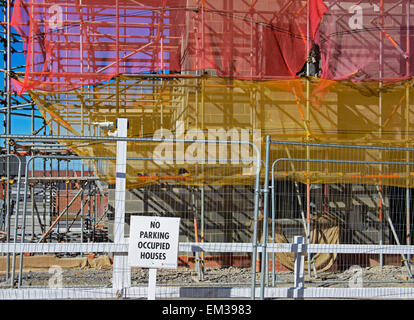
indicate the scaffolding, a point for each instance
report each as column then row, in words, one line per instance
column 66, row 201
column 197, row 69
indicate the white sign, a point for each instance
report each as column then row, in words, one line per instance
column 153, row 242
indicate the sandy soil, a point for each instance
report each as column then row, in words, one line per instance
column 388, row 276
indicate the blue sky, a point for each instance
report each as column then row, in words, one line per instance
column 22, row 124
column 19, row 124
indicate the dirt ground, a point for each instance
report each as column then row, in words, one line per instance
column 387, row 276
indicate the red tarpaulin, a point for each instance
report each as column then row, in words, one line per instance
column 366, row 40
column 69, row 44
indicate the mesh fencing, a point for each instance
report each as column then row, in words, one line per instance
column 206, row 107
column 356, row 221
column 65, row 241
column 69, row 44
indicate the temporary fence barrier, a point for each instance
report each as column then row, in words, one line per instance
column 71, row 45
column 227, row 241
column 354, row 214
column 6, row 216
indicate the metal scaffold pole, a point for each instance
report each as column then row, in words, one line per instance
column 407, row 128
column 307, row 121
column 7, row 130
column 380, row 199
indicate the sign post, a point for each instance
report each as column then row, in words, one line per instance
column 153, row 244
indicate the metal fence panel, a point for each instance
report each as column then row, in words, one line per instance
column 353, row 212
column 70, row 221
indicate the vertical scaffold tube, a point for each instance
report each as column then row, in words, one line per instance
column 407, row 125
column 265, row 219
column 307, row 120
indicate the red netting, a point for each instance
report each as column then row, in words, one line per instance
column 73, row 43
column 83, row 42
column 366, row 40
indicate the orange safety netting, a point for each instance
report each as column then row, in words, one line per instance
column 209, row 107
column 69, row 44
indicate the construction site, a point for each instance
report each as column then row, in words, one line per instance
column 278, row 131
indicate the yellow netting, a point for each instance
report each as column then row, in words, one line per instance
column 299, row 110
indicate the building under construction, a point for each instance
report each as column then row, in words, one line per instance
column 320, row 91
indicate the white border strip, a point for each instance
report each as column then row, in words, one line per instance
column 206, row 247
column 204, row 292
